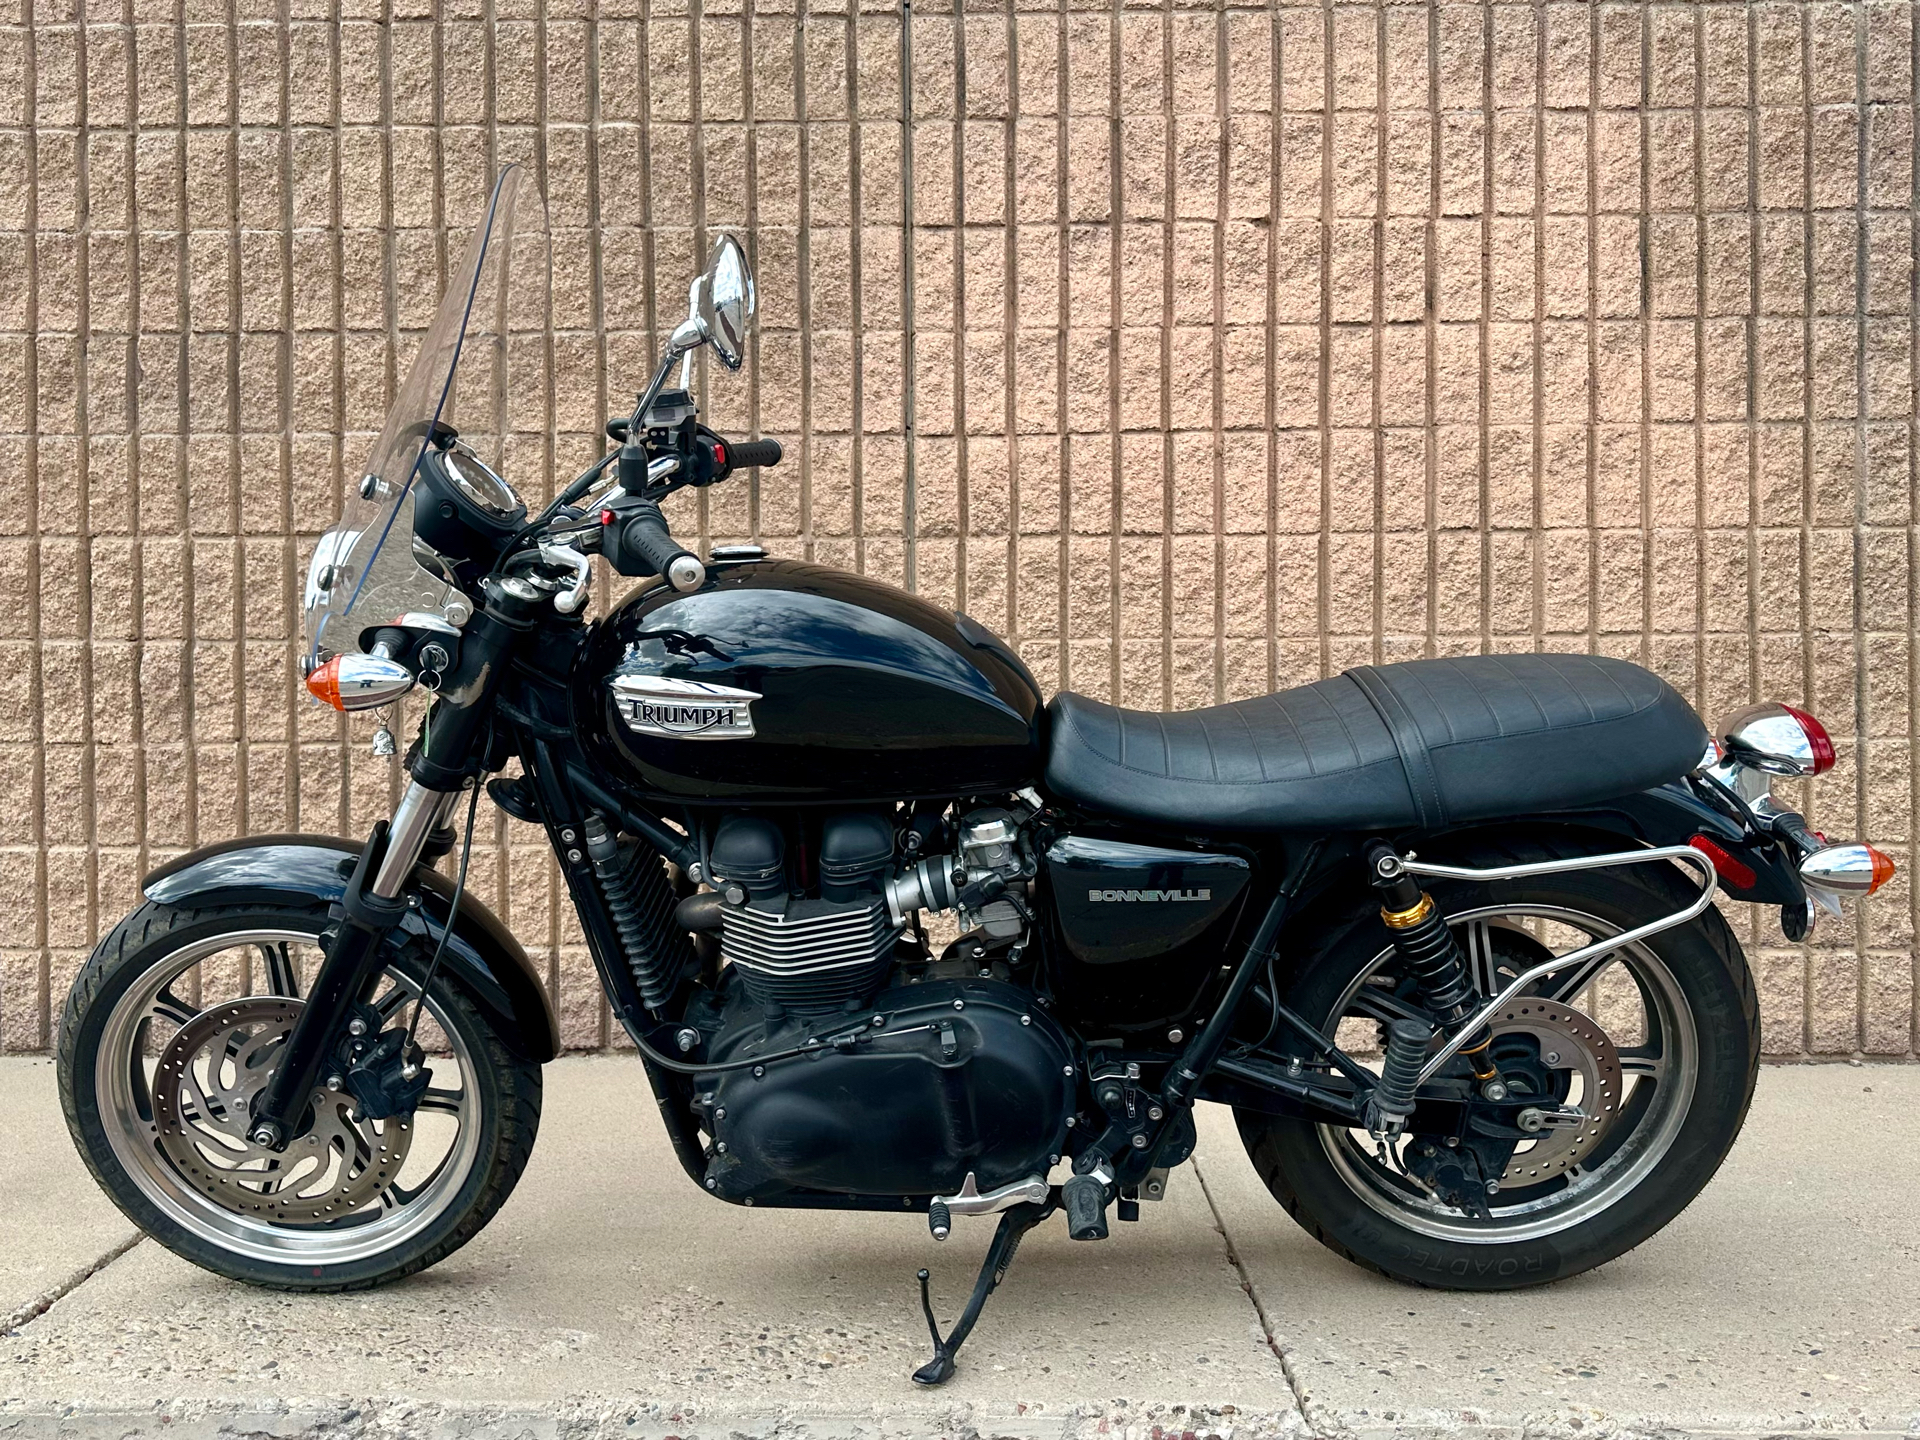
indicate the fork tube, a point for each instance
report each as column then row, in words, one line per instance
column 418, row 812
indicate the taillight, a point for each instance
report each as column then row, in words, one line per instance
column 1776, row 739
column 1818, row 740
column 1731, row 868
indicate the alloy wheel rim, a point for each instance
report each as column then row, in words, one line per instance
column 128, row 1060
column 1663, row 1069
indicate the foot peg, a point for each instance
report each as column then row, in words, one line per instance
column 1085, row 1197
column 1014, row 1224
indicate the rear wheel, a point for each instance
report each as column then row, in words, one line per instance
column 1657, row 1043
column 172, row 1030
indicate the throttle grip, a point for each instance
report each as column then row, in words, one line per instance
column 744, row 454
column 645, row 536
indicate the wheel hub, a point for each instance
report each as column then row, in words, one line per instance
column 1570, row 1045
column 204, row 1088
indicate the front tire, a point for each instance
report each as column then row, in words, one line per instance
column 172, row 1025
column 1689, row 1073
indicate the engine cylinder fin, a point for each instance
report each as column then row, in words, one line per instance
column 815, row 957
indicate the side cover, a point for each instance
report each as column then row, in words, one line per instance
column 302, row 868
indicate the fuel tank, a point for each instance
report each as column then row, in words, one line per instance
column 782, row 681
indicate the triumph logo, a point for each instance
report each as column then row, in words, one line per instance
column 683, row 709
column 1154, row 896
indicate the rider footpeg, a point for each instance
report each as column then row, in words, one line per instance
column 939, row 1220
column 1085, row 1197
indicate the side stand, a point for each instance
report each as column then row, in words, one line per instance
column 1014, row 1224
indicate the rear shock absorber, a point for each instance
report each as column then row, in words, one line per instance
column 1430, row 952
column 640, row 903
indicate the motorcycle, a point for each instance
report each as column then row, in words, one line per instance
column 1441, row 933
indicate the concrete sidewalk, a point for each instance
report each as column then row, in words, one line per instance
column 610, row 1298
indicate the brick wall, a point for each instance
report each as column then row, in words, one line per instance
column 1199, row 350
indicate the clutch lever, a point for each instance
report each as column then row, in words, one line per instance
column 575, row 594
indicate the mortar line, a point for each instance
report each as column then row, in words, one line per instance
column 1287, row 1370
column 1862, row 683
column 909, row 338
column 26, row 1314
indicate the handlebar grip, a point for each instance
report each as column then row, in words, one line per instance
column 646, row 535
column 743, row 454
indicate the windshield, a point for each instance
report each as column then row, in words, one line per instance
column 481, row 369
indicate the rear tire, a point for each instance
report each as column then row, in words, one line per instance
column 126, row 1002
column 1312, row 1170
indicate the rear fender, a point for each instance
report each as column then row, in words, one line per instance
column 1675, row 814
column 303, row 869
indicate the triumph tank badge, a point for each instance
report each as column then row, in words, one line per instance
column 683, row 709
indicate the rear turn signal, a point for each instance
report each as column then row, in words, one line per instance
column 1857, row 869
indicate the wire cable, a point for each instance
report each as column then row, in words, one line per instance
column 453, row 913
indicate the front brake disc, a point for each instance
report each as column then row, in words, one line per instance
column 208, row 1078
column 1570, row 1041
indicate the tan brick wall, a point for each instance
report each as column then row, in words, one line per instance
column 1199, row 350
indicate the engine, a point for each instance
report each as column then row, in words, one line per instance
column 811, row 934
column 917, row 1071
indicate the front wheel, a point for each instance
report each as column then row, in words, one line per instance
column 173, row 1028
column 1657, row 1043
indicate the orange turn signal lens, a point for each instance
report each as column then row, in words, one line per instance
column 359, row 682
column 323, row 683
column 1883, row 869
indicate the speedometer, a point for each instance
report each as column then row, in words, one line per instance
column 463, row 509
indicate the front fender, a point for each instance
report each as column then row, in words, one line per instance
column 297, row 869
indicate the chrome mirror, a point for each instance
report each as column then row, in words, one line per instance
column 722, row 301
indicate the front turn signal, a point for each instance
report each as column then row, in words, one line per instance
column 359, row 682
column 1857, row 869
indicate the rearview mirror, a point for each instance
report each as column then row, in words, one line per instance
column 723, row 302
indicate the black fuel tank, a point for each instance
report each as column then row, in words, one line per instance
column 781, row 681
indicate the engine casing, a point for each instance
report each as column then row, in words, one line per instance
column 963, row 1076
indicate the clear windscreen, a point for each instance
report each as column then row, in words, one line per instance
column 481, row 367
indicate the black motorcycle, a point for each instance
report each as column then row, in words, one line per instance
column 1441, row 933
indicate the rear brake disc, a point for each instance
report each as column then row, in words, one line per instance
column 1568, row 1041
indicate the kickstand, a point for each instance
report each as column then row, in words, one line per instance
column 1014, row 1223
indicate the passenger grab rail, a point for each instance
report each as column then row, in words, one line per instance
column 1685, row 853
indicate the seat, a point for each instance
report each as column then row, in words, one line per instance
column 1424, row 744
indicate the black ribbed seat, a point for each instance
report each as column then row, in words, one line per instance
column 1427, row 743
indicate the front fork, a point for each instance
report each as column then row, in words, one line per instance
column 374, row 903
